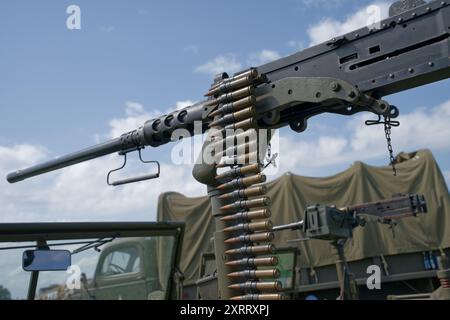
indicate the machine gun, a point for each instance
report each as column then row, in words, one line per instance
column 336, row 226
column 346, row 75
column 332, row 223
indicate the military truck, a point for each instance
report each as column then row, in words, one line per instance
column 407, row 252
column 126, row 269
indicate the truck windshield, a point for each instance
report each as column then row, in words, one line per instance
column 113, row 268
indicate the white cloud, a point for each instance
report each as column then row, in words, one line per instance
column 296, row 45
column 183, row 104
column 262, row 57
column 328, row 28
column 22, row 154
column 137, row 116
column 230, row 63
column 363, row 143
column 222, row 63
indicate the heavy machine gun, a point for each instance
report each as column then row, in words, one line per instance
column 332, row 223
column 336, row 225
column 346, row 75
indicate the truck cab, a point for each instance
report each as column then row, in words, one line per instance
column 127, row 269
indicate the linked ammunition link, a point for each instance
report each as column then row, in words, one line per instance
column 255, row 250
column 274, row 296
column 247, row 204
column 255, row 285
column 238, row 160
column 248, row 238
column 248, row 227
column 254, row 274
column 248, row 215
column 240, row 149
column 244, row 206
column 237, row 172
column 254, row 262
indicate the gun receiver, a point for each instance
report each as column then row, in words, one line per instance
column 391, row 209
column 346, row 75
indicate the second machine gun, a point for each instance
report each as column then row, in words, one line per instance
column 336, row 225
column 346, row 75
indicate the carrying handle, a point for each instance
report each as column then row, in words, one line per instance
column 132, row 179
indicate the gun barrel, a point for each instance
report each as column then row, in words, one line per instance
column 153, row 133
column 291, row 226
column 90, row 153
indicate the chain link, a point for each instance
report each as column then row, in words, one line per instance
column 387, row 131
column 270, row 159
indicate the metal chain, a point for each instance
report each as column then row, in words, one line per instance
column 387, row 131
column 269, row 158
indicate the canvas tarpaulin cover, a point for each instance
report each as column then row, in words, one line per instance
column 418, row 172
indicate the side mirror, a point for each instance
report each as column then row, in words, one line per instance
column 46, row 260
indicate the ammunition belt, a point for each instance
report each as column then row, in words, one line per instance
column 249, row 248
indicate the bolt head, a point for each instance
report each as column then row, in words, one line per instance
column 334, row 86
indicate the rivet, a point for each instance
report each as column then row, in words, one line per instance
column 391, row 75
column 430, row 64
column 410, row 70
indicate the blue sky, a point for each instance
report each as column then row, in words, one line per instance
column 62, row 90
